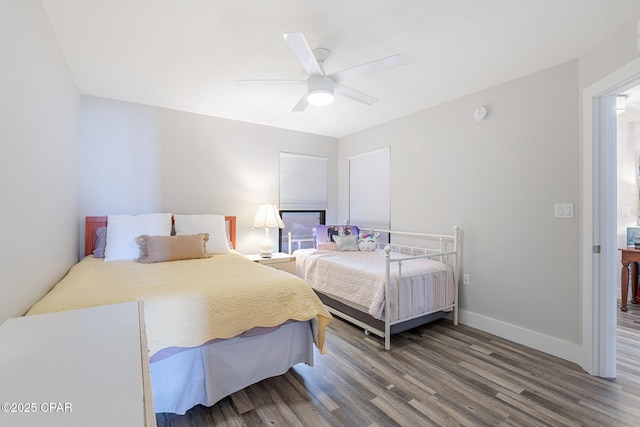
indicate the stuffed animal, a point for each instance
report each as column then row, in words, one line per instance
column 368, row 241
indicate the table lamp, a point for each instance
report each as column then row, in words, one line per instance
column 267, row 217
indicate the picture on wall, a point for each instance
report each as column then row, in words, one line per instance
column 631, row 234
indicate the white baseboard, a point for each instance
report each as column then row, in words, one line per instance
column 547, row 344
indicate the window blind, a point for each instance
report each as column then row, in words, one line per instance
column 370, row 189
column 303, row 181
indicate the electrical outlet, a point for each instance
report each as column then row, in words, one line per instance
column 466, row 280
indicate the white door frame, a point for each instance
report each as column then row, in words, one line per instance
column 599, row 213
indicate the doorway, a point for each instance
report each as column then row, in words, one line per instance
column 599, row 226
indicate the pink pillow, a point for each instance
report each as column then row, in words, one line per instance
column 328, row 246
column 325, row 233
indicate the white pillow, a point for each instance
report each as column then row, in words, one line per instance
column 122, row 231
column 214, row 225
column 347, row 243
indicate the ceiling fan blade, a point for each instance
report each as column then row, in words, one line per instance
column 276, row 82
column 370, row 67
column 301, row 105
column 303, row 52
column 356, row 95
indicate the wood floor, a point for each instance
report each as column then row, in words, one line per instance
column 437, row 374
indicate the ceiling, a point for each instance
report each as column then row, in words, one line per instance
column 188, row 55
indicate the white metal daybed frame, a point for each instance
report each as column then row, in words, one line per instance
column 389, row 327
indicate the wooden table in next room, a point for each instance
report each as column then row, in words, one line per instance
column 629, row 256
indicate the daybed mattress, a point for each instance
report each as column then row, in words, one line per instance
column 357, row 277
column 190, row 302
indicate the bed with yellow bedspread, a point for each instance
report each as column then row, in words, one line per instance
column 203, row 305
column 190, row 302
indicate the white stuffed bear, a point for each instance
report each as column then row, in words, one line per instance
column 368, row 241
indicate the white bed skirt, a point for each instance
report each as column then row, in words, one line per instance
column 206, row 374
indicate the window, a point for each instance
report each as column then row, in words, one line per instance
column 303, row 198
column 300, row 224
column 370, row 189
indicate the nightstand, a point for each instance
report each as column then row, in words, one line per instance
column 278, row 260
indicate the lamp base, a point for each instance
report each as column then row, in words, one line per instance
column 266, row 247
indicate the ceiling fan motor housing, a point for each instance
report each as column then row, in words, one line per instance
column 320, row 90
column 321, row 54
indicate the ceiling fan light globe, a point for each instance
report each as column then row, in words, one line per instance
column 320, row 97
column 621, row 104
column 320, row 90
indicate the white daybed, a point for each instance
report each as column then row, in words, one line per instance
column 390, row 289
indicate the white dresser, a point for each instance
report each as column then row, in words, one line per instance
column 87, row 367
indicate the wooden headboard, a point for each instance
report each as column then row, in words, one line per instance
column 92, row 223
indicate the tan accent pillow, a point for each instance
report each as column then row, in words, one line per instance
column 172, row 248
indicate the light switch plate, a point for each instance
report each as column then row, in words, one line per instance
column 564, row 210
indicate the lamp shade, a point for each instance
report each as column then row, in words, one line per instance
column 267, row 217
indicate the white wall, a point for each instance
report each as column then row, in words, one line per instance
column 138, row 159
column 620, row 48
column 39, row 108
column 499, row 180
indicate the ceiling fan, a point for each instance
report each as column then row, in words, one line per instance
column 321, row 86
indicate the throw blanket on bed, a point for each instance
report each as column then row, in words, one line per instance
column 190, row 302
column 357, row 278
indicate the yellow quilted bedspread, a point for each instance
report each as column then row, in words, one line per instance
column 190, row 302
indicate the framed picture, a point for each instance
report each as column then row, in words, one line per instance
column 631, row 233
